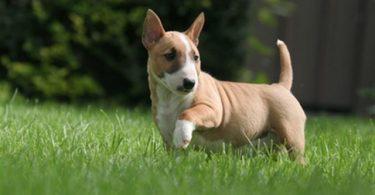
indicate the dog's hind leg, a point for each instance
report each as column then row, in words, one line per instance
column 269, row 142
column 291, row 133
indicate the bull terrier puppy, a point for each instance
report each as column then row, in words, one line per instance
column 190, row 107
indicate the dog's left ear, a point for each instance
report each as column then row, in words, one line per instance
column 195, row 29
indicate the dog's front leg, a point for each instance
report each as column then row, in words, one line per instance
column 200, row 116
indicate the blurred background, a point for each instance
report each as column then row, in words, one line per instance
column 91, row 51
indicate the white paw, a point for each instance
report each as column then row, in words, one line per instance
column 183, row 133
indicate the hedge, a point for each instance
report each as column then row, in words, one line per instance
column 80, row 50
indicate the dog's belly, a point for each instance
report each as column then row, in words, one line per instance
column 267, row 139
column 236, row 132
column 199, row 141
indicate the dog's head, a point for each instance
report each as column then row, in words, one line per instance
column 173, row 56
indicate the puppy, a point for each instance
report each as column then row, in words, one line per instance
column 190, row 107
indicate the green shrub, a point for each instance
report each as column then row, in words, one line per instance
column 69, row 50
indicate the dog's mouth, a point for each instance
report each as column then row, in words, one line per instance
column 183, row 90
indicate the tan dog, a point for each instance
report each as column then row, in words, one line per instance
column 191, row 107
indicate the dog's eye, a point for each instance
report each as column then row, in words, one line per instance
column 196, row 58
column 171, row 55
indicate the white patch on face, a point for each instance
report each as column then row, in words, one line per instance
column 188, row 70
column 183, row 133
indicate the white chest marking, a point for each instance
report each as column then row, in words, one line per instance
column 169, row 107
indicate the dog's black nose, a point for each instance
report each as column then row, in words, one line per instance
column 188, row 83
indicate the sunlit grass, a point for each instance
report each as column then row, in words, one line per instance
column 61, row 149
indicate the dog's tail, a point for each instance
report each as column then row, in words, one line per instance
column 286, row 72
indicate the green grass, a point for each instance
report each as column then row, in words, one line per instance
column 61, row 149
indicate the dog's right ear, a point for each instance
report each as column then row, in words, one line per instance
column 152, row 29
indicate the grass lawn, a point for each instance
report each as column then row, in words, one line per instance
column 60, row 149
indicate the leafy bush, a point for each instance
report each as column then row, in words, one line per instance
column 69, row 50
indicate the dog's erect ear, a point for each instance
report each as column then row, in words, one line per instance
column 195, row 29
column 152, row 29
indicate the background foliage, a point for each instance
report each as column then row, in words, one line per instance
column 72, row 50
